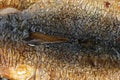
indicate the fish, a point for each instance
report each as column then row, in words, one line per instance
column 61, row 40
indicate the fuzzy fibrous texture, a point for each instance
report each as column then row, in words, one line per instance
column 60, row 39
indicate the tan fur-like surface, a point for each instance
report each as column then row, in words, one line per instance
column 92, row 26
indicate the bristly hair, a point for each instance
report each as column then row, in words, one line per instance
column 53, row 33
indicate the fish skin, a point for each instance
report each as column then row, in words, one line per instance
column 64, row 61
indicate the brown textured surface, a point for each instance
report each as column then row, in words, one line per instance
column 19, row 4
column 92, row 54
column 53, row 64
column 47, row 38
